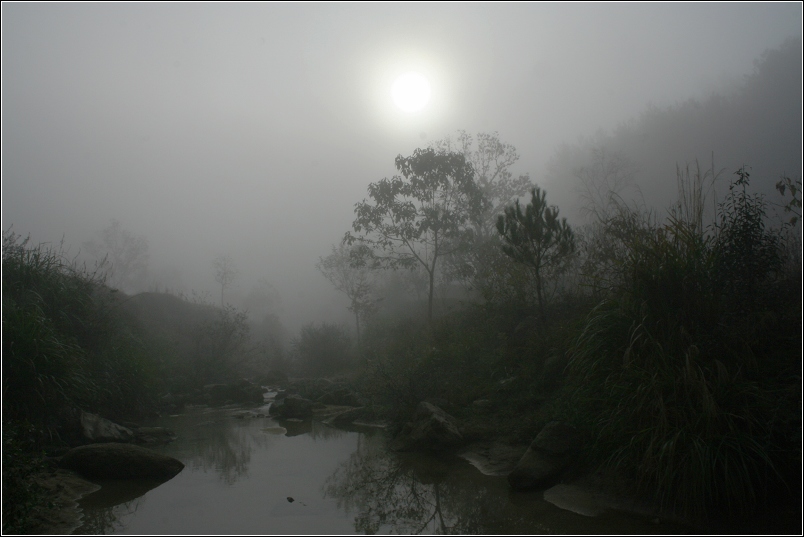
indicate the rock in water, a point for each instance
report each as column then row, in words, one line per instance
column 97, row 429
column 549, row 455
column 120, row 461
column 432, row 429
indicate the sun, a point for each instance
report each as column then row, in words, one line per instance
column 411, row 92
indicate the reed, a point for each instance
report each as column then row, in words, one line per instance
column 669, row 372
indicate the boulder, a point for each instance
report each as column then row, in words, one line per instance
column 120, row 461
column 495, row 458
column 97, row 429
column 346, row 416
column 431, row 429
column 295, row 406
column 548, row 456
column 173, row 403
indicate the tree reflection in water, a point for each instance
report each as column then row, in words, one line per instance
column 105, row 521
column 221, row 444
column 409, row 493
column 226, row 449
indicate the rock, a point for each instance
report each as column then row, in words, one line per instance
column 575, row 499
column 496, row 458
column 242, row 391
column 548, row 456
column 296, row 406
column 432, row 429
column 172, row 402
column 62, row 515
column 346, row 417
column 558, row 438
column 154, row 435
column 97, row 429
column 120, row 461
column 482, row 405
column 340, row 397
column 119, row 491
column 296, row 427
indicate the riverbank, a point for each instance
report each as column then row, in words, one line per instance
column 61, row 514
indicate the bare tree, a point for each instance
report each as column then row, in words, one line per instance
column 124, row 255
column 225, row 272
column 604, row 181
column 491, row 161
column 349, row 278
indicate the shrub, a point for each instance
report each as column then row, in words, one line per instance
column 322, row 349
column 23, row 496
column 668, row 371
column 220, row 347
column 65, row 342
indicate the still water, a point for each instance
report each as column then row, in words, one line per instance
column 240, row 476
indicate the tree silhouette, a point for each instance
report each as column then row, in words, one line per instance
column 225, row 272
column 420, row 217
column 351, row 279
column 124, row 255
column 536, row 238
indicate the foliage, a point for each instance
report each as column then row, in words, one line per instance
column 677, row 371
column 221, row 347
column 352, row 280
column 420, row 217
column 603, row 182
column 322, row 349
column 536, row 238
column 123, row 255
column 748, row 255
column 65, row 341
column 491, row 160
column 794, row 205
column 23, row 496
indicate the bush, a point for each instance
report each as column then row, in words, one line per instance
column 671, row 371
column 23, row 496
column 220, row 347
column 65, row 342
column 322, row 349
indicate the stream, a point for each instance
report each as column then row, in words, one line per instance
column 263, row 476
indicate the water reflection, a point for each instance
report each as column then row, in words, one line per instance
column 225, row 449
column 240, row 472
column 409, row 493
column 100, row 521
column 214, row 441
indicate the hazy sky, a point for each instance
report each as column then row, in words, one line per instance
column 253, row 129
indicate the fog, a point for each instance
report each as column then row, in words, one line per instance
column 252, row 130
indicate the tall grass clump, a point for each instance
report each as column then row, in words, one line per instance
column 671, row 372
column 65, row 344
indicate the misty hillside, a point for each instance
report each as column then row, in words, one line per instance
column 755, row 123
column 167, row 316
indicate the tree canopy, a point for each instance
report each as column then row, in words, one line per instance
column 420, row 216
column 352, row 280
column 536, row 237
